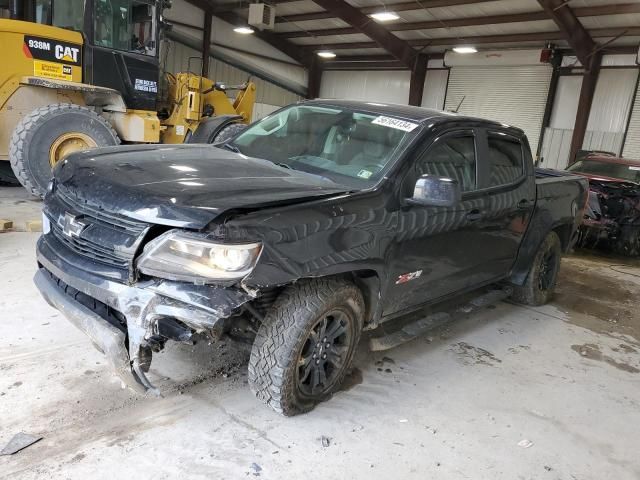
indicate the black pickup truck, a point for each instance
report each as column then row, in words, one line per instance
column 320, row 221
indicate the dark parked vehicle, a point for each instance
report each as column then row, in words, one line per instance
column 320, row 221
column 612, row 216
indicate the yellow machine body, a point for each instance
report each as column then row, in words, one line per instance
column 192, row 94
column 43, row 66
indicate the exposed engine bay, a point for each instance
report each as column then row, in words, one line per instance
column 612, row 217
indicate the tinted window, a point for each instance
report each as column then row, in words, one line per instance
column 67, row 14
column 452, row 157
column 127, row 25
column 505, row 158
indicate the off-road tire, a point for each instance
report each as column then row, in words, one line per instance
column 228, row 132
column 281, row 337
column 35, row 133
column 531, row 293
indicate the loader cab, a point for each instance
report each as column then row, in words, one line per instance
column 121, row 41
column 122, row 49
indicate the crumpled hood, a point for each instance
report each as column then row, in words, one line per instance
column 182, row 185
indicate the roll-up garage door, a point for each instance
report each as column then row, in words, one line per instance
column 632, row 141
column 515, row 95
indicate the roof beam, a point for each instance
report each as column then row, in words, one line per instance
column 456, row 22
column 577, row 36
column 286, row 47
column 396, row 7
column 510, row 38
column 206, row 43
column 400, row 49
column 292, row 50
column 473, row 21
column 231, row 6
column 394, row 65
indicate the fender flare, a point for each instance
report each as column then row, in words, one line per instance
column 209, row 128
column 94, row 96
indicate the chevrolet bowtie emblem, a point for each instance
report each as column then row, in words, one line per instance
column 71, row 226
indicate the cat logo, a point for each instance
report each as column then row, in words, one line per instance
column 67, row 54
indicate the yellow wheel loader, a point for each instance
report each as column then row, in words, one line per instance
column 80, row 74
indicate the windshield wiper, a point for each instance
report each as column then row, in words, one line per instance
column 284, row 165
column 233, row 148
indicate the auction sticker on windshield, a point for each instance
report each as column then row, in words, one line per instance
column 395, row 123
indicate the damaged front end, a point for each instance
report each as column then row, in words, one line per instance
column 128, row 322
column 612, row 218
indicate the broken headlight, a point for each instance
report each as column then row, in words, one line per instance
column 180, row 256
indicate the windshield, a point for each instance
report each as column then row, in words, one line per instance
column 64, row 14
column 127, row 25
column 622, row 171
column 348, row 147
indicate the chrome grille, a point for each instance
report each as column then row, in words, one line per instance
column 92, row 250
column 108, row 238
column 111, row 220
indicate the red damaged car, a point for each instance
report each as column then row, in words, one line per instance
column 612, row 215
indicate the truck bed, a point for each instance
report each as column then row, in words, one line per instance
column 560, row 196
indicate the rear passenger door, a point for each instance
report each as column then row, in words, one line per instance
column 507, row 179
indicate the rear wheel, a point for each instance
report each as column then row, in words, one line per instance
column 49, row 134
column 541, row 281
column 306, row 344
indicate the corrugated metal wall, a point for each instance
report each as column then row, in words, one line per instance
column 607, row 120
column 269, row 97
column 632, row 144
column 372, row 86
column 435, row 89
column 515, row 95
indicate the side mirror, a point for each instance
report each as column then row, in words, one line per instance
column 433, row 191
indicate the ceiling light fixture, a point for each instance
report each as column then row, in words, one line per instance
column 385, row 16
column 326, row 54
column 243, row 30
column 465, row 49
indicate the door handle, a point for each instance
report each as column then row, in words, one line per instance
column 474, row 215
column 524, row 204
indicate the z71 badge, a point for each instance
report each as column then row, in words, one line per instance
column 407, row 277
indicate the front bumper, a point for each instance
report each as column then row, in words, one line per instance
column 142, row 304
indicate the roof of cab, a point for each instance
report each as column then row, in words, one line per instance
column 408, row 112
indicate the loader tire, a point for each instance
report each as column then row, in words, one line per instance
column 50, row 133
column 306, row 344
column 540, row 285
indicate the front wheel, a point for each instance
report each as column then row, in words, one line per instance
column 306, row 344
column 541, row 281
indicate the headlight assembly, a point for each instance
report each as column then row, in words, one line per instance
column 184, row 257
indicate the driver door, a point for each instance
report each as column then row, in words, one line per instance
column 439, row 250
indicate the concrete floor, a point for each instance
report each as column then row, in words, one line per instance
column 457, row 403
